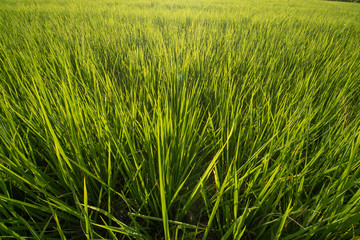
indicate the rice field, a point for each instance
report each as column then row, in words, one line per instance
column 165, row 119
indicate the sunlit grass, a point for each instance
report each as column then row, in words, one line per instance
column 179, row 119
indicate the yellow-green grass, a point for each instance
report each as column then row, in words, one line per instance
column 179, row 119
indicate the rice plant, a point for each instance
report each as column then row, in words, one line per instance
column 164, row 119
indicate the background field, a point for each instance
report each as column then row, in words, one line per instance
column 179, row 119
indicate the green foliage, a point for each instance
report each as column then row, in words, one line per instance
column 354, row 1
column 186, row 119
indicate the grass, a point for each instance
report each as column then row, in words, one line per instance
column 179, row 119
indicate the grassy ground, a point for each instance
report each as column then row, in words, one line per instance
column 179, row 119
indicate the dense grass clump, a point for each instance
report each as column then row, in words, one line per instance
column 187, row 119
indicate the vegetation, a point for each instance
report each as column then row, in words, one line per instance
column 355, row 1
column 164, row 119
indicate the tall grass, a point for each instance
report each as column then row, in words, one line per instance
column 179, row 119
